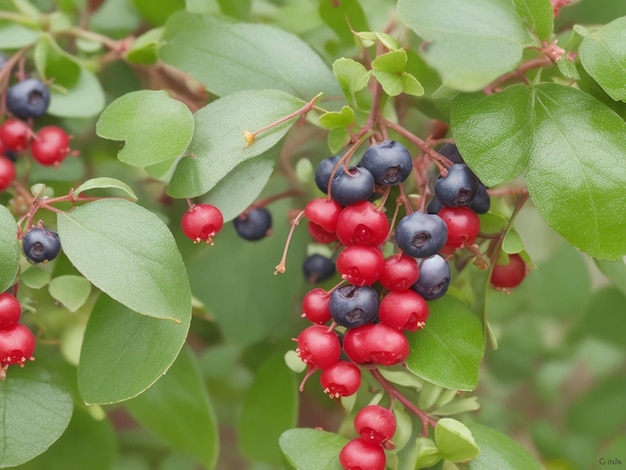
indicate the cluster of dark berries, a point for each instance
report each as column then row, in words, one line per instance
column 17, row 342
column 41, row 245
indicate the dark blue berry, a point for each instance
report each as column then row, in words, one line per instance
column 318, row 268
column 434, row 277
column 452, row 152
column 458, row 187
column 323, row 172
column 420, row 235
column 254, row 224
column 355, row 185
column 434, row 206
column 353, row 306
column 28, row 98
column 481, row 202
column 41, row 245
column 389, row 162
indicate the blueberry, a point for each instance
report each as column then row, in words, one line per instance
column 434, row 206
column 28, row 98
column 452, row 152
column 41, row 245
column 353, row 306
column 355, row 185
column 389, row 162
column 481, row 202
column 318, row 268
column 323, row 172
column 254, row 225
column 458, row 187
column 434, row 277
column 420, row 235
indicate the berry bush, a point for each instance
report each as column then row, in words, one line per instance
column 312, row 234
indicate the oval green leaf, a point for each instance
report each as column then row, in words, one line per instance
column 155, row 127
column 15, row 36
column 35, row 408
column 539, row 16
column 52, row 62
column 177, row 408
column 124, row 353
column 455, row 440
column 499, row 451
column 227, row 57
column 218, row 145
column 467, row 54
column 448, row 351
column 142, row 267
column 104, row 182
column 71, row 291
column 83, row 100
column 312, row 449
column 9, row 249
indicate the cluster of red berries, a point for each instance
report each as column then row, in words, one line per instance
column 17, row 342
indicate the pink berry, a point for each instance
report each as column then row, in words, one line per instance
column 508, row 276
column 362, row 223
column 17, row 344
column 318, row 347
column 50, row 145
column 315, row 306
column 10, row 310
column 202, row 222
column 360, row 265
column 404, row 310
column 15, row 134
column 376, row 424
column 342, row 379
column 324, row 212
column 359, row 454
column 463, row 226
column 7, row 172
column 400, row 272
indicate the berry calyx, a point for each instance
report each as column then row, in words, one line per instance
column 15, row 134
column 358, row 454
column 17, row 344
column 10, row 310
column 7, row 172
column 254, row 225
column 360, row 265
column 318, row 347
column 41, row 245
column 362, row 223
column 342, row 379
column 510, row 275
column 50, row 145
column 201, row 222
column 376, row 424
column 28, row 98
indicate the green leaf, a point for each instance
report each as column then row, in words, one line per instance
column 54, row 63
column 227, row 57
column 499, row 451
column 123, row 353
column 538, row 15
column 343, row 17
column 569, row 146
column 512, row 242
column 270, row 408
column 468, row 54
column 352, row 77
column 35, row 408
column 71, row 291
column 84, row 99
column 145, row 49
column 9, row 249
column 337, row 139
column 218, row 146
column 129, row 253
column 35, row 277
column 428, row 454
column 448, row 351
column 312, row 449
column 15, row 36
column 393, row 62
column 615, row 271
column 155, row 127
column 455, row 440
column 177, row 409
column 334, row 119
column 391, row 82
column 603, row 55
column 411, row 85
column 103, row 182
column 157, row 12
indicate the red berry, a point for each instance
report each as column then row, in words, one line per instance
column 315, row 306
column 404, row 310
column 400, row 272
column 376, row 424
column 463, row 226
column 508, row 276
column 324, row 212
column 360, row 265
column 17, row 344
column 319, row 234
column 15, row 134
column 376, row 343
column 7, row 172
column 358, row 454
column 362, row 223
column 10, row 310
column 50, row 146
column 342, row 379
column 202, row 222
column 318, row 347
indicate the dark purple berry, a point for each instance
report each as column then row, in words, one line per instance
column 318, row 268
column 355, row 185
column 458, row 187
column 353, row 306
column 323, row 172
column 481, row 202
column 434, row 277
column 389, row 162
column 28, row 98
column 41, row 245
column 420, row 235
column 254, row 225
column 434, row 206
column 451, row 152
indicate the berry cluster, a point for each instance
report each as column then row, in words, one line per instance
column 17, row 342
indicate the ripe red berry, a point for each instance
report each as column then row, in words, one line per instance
column 10, row 310
column 17, row 344
column 400, row 272
column 404, row 310
column 360, row 265
column 376, row 424
column 7, row 172
column 201, row 222
column 324, row 212
column 376, row 343
column 15, row 134
column 50, row 146
column 318, row 347
column 463, row 226
column 362, row 223
column 315, row 306
column 342, row 379
column 359, row 454
column 319, row 234
column 508, row 276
